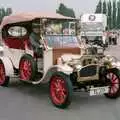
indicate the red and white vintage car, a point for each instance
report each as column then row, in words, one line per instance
column 63, row 63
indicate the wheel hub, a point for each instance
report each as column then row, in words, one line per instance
column 114, row 83
column 25, row 70
column 58, row 90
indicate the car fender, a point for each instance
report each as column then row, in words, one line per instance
column 8, row 66
column 65, row 69
column 56, row 68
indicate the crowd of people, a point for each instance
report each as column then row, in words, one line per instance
column 113, row 38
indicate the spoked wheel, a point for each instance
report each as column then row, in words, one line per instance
column 60, row 90
column 27, row 68
column 114, row 78
column 4, row 80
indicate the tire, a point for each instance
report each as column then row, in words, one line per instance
column 4, row 80
column 58, row 82
column 27, row 68
column 113, row 77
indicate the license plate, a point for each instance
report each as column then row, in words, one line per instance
column 99, row 90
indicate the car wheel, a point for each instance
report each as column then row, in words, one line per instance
column 4, row 80
column 27, row 68
column 60, row 89
column 114, row 79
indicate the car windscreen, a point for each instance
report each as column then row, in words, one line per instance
column 60, row 41
column 60, row 28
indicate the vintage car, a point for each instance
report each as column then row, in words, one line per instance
column 65, row 64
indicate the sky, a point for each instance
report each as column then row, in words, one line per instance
column 79, row 6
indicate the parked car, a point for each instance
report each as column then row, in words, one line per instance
column 64, row 64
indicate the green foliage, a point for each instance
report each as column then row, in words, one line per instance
column 4, row 12
column 8, row 11
column 109, row 15
column 118, row 15
column 99, row 7
column 114, row 14
column 63, row 10
column 104, row 7
column 112, row 9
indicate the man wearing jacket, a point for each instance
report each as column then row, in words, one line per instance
column 35, row 39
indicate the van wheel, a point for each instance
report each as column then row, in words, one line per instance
column 27, row 68
column 114, row 79
column 4, row 80
column 60, row 89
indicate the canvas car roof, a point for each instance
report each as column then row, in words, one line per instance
column 28, row 16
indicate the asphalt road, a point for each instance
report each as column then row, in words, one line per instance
column 27, row 102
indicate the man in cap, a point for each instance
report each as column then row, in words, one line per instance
column 35, row 38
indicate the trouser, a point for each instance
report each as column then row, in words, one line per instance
column 114, row 41
column 38, row 51
column 110, row 40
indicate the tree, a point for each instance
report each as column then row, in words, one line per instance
column 104, row 7
column 118, row 14
column 114, row 14
column 109, row 14
column 63, row 10
column 2, row 13
column 5, row 12
column 99, row 7
column 8, row 11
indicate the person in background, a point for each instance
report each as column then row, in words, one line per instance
column 116, row 38
column 110, row 38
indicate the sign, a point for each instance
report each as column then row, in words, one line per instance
column 99, row 90
column 92, row 17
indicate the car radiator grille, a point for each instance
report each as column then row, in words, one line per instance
column 88, row 71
